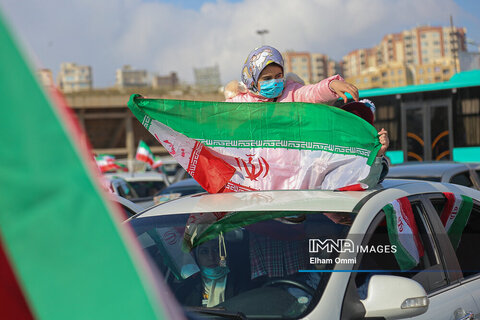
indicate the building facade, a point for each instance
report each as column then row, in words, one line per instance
column 167, row 82
column 127, row 77
column 425, row 54
column 46, row 77
column 311, row 67
column 74, row 78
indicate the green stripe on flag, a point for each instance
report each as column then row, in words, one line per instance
column 292, row 125
column 456, row 229
column 69, row 255
column 404, row 258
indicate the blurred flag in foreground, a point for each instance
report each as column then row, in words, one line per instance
column 262, row 146
column 144, row 153
column 63, row 252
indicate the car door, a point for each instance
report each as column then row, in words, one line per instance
column 448, row 297
column 466, row 249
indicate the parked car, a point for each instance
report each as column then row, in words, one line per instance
column 178, row 189
column 465, row 174
column 145, row 184
column 380, row 253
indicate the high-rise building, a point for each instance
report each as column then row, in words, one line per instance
column 423, row 54
column 311, row 67
column 127, row 77
column 73, row 78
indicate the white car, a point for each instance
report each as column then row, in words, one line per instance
column 382, row 253
column 145, row 185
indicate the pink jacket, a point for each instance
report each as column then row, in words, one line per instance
column 296, row 92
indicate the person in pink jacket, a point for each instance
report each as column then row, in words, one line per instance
column 263, row 80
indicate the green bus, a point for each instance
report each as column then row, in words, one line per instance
column 431, row 122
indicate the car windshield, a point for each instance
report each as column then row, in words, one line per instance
column 256, row 263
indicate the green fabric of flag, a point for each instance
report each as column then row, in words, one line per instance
column 229, row 147
column 63, row 240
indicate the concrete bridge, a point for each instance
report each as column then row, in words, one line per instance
column 109, row 125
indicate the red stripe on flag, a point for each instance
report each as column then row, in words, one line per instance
column 211, row 172
column 407, row 213
column 12, row 302
column 144, row 158
column 448, row 207
column 353, row 187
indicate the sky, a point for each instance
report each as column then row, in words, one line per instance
column 162, row 36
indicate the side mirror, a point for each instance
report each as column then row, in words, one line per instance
column 394, row 297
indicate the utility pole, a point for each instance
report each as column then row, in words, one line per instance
column 262, row 35
column 454, row 40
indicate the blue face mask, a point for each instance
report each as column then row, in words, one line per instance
column 214, row 273
column 271, row 88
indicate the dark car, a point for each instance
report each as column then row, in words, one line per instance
column 465, row 174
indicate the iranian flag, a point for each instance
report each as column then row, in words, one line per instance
column 455, row 216
column 262, row 146
column 143, row 153
column 108, row 163
column 403, row 233
column 157, row 162
column 63, row 251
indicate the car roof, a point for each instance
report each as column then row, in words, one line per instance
column 426, row 169
column 286, row 200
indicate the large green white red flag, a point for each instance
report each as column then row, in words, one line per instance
column 455, row 215
column 144, row 153
column 262, row 146
column 63, row 251
column 403, row 233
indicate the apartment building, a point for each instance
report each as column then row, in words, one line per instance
column 46, row 77
column 424, row 54
column 166, row 82
column 311, row 67
column 74, row 78
column 127, row 77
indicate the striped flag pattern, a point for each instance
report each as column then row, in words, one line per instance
column 403, row 233
column 144, row 153
column 455, row 216
column 262, row 146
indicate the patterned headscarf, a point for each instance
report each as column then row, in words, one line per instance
column 256, row 61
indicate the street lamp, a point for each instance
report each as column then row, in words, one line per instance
column 262, row 33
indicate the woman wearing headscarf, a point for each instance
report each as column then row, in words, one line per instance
column 263, row 80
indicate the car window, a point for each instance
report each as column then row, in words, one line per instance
column 462, row 179
column 147, row 188
column 461, row 219
column 261, row 260
column 414, row 256
column 125, row 190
